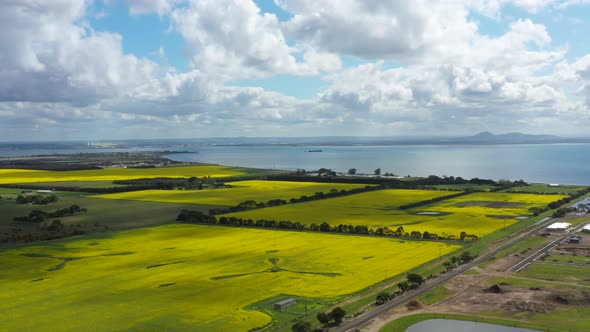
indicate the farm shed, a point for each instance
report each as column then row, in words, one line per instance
column 559, row 226
column 284, row 304
column 574, row 239
column 44, row 191
column 586, row 229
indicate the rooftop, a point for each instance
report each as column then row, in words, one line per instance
column 286, row 301
column 560, row 225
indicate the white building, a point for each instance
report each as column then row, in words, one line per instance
column 559, row 226
column 44, row 191
column 586, row 229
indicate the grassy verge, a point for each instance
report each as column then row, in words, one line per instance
column 542, row 188
column 465, row 186
column 566, row 258
column 436, row 295
column 562, row 273
column 101, row 215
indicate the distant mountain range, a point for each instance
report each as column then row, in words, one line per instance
column 514, row 138
column 483, row 138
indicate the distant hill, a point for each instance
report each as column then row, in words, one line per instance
column 486, row 136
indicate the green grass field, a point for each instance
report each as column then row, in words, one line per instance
column 562, row 273
column 477, row 213
column 259, row 191
column 114, row 214
column 567, row 258
column 464, row 186
column 11, row 176
column 186, row 276
column 544, row 188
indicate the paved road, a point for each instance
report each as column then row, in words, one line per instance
column 545, row 250
column 430, row 284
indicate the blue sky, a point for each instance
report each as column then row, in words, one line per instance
column 193, row 68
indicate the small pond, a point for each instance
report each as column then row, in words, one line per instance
column 451, row 325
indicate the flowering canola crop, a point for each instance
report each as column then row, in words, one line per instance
column 240, row 191
column 188, row 276
column 10, row 176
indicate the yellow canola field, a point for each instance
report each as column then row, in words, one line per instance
column 477, row 213
column 9, row 176
column 188, row 277
column 496, row 204
column 256, row 190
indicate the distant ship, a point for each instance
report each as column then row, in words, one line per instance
column 315, row 150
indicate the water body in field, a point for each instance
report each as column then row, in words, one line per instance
column 449, row 325
column 548, row 163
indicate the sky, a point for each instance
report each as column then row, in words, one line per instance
column 121, row 69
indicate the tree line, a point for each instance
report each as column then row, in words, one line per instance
column 251, row 204
column 105, row 190
column 414, row 280
column 38, row 216
column 433, row 200
column 566, row 200
column 36, row 199
column 202, row 218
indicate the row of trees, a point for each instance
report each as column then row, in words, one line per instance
column 106, row 190
column 413, row 281
column 433, row 200
column 327, row 319
column 457, row 261
column 431, row 180
column 566, row 200
column 196, row 217
column 332, row 318
column 561, row 212
column 38, row 216
column 49, row 233
column 251, row 204
column 201, row 218
column 36, row 199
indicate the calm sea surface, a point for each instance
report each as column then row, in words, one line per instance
column 549, row 163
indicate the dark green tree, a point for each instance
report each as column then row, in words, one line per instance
column 56, row 226
column 382, row 298
column 403, row 286
column 337, row 315
column 324, row 318
column 20, row 199
column 301, row 326
column 415, row 279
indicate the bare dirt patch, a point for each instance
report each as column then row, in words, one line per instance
column 503, row 264
column 414, row 305
column 501, row 297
